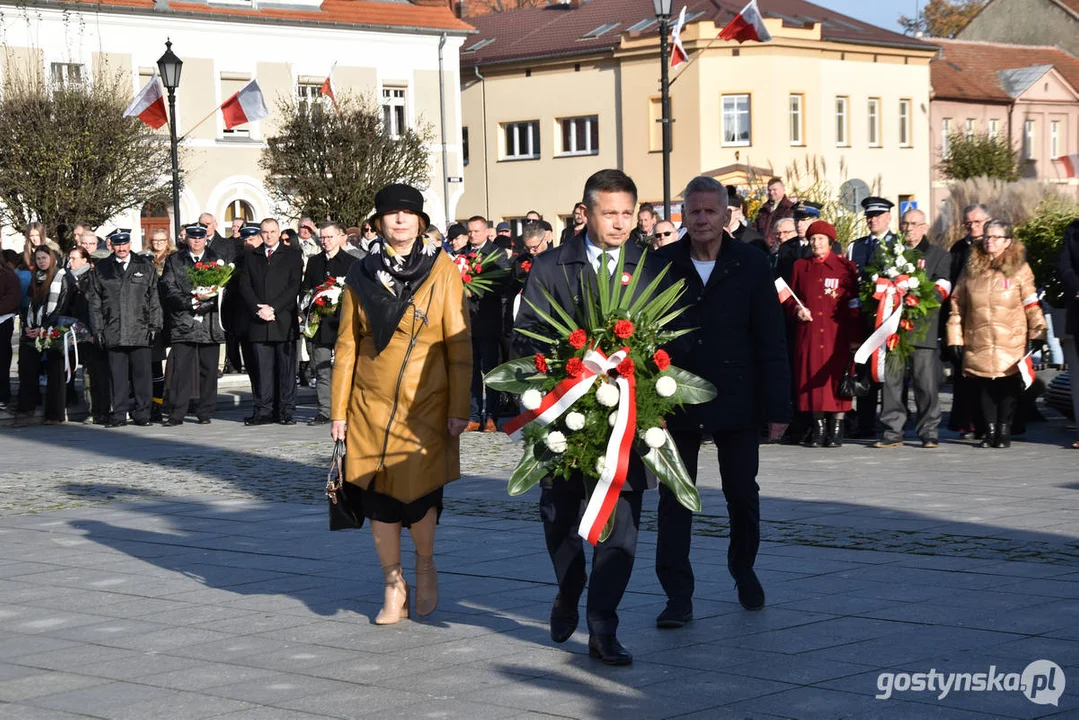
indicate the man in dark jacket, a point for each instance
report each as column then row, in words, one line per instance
column 10, row 297
column 486, row 315
column 269, row 287
column 125, row 315
column 223, row 247
column 777, row 206
column 965, row 417
column 610, row 196
column 575, row 226
column 333, row 262
column 195, row 331
column 739, row 346
column 925, row 360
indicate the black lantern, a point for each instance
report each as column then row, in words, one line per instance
column 169, row 66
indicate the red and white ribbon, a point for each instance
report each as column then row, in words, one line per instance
column 945, row 288
column 69, row 371
column 1030, row 301
column 889, row 297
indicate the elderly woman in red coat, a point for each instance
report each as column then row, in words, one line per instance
column 828, row 327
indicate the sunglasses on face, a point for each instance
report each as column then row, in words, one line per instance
column 666, row 234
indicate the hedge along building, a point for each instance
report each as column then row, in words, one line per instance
column 553, row 93
column 388, row 51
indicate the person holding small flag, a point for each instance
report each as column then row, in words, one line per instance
column 995, row 314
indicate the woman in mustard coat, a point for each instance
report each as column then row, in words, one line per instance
column 400, row 397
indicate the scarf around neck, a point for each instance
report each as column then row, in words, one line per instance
column 40, row 312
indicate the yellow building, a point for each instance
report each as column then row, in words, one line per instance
column 551, row 94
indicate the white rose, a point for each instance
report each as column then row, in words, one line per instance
column 875, row 276
column 601, row 463
column 531, row 399
column 655, row 437
column 666, row 386
column 909, row 268
column 221, row 263
column 556, row 441
column 891, row 272
column 607, row 394
column 575, row 421
column 612, row 418
column 913, row 282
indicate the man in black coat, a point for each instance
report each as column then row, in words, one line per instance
column 610, row 197
column 924, row 368
column 965, row 417
column 125, row 315
column 195, row 330
column 738, row 345
column 269, row 287
column 334, row 262
column 486, row 313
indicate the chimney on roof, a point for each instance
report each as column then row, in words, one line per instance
column 568, row 3
column 429, row 3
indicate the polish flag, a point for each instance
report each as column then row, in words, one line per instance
column 785, row 293
column 678, row 53
column 149, row 105
column 746, row 25
column 1071, row 164
column 327, row 90
column 245, row 106
column 1026, row 370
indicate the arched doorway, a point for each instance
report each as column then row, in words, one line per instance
column 153, row 217
column 239, row 210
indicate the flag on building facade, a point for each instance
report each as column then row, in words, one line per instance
column 1071, row 164
column 149, row 105
column 746, row 25
column 245, row 106
column 327, row 90
column 678, row 53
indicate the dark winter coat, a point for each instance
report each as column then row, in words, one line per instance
column 1068, row 268
column 125, row 309
column 864, row 249
column 486, row 311
column 319, row 269
column 68, row 293
column 187, row 320
column 273, row 281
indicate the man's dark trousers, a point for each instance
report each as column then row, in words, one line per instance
column 192, row 372
column 130, row 373
column 561, row 507
column 739, row 454
column 925, row 381
column 275, row 363
column 484, row 360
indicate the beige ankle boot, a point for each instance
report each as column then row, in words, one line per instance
column 426, row 584
column 395, row 604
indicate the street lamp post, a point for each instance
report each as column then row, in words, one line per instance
column 663, row 14
column 169, row 66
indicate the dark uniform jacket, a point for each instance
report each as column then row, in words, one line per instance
column 224, row 248
column 738, row 342
column 1068, row 268
column 863, row 249
column 187, row 320
column 319, row 269
column 561, row 272
column 125, row 308
column 273, row 281
column 486, row 311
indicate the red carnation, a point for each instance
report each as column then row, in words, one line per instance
column 662, row 360
column 466, row 278
column 623, row 329
column 578, row 338
column 331, row 280
column 478, row 269
column 541, row 363
column 55, row 333
column 892, row 342
column 320, row 301
column 574, row 367
column 526, row 265
column 626, row 367
column 911, row 300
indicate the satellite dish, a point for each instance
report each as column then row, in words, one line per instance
column 851, row 195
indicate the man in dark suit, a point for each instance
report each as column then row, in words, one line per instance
column 334, row 262
column 796, row 247
column 965, row 417
column 925, row 360
column 878, row 216
column 777, row 206
column 486, row 315
column 739, row 346
column 610, row 197
column 269, row 287
column 224, row 248
column 125, row 315
column 195, row 331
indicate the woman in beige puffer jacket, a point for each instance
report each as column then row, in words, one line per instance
column 995, row 313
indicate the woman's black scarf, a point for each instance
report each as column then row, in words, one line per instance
column 385, row 284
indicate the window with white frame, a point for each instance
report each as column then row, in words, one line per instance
column 873, row 116
column 393, row 111
column 904, row 123
column 796, row 104
column 522, row 140
column 737, row 120
column 842, row 121
column 309, row 94
column 65, row 73
column 1054, row 139
column 946, row 137
column 1029, row 147
column 579, row 135
column 232, row 83
column 994, row 128
column 464, row 145
column 968, row 128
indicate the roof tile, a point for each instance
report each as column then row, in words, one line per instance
column 971, row 70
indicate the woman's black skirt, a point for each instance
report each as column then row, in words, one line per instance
column 383, row 508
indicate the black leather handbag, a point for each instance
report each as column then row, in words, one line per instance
column 345, row 500
column 854, row 383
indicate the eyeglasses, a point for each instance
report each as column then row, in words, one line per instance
column 665, row 234
column 787, row 232
column 911, row 224
column 968, row 223
column 998, row 237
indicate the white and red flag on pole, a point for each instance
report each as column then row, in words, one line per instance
column 245, row 106
column 785, row 293
column 746, row 25
column 1026, row 370
column 327, row 87
column 149, row 105
column 678, row 53
column 1071, row 164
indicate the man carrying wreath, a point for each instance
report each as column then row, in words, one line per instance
column 610, row 198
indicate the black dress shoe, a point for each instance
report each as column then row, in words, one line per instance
column 172, row 423
column 608, row 650
column 675, row 615
column 564, row 619
column 116, row 423
column 204, row 421
column 286, row 420
column 750, row 592
column 257, row 420
column 145, row 422
column 319, row 419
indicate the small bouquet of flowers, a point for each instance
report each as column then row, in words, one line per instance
column 896, row 294
column 480, row 273
column 56, row 336
column 601, row 392
column 209, row 277
column 320, row 302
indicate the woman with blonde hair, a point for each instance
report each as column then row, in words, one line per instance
column 35, row 237
column 401, row 389
column 994, row 315
column 159, row 248
column 52, row 292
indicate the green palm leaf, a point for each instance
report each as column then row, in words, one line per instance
column 557, row 325
column 515, row 376
column 645, row 297
column 536, row 336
